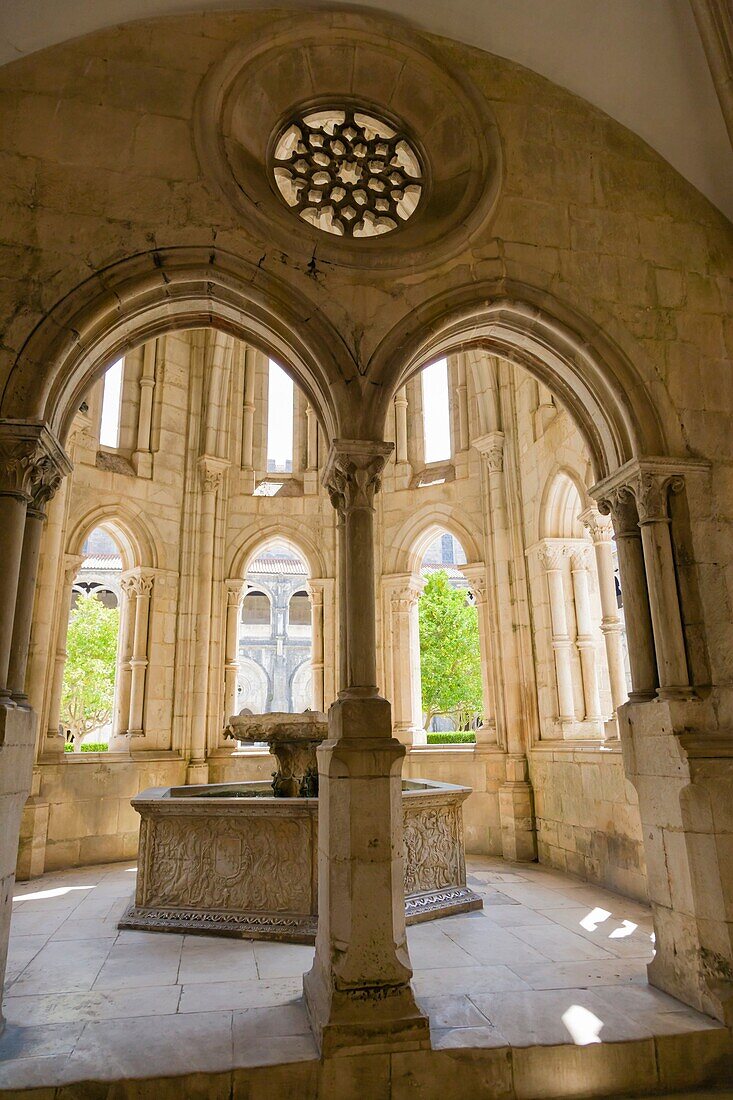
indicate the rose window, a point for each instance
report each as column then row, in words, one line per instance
column 347, row 172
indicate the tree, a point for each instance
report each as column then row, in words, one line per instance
column 88, row 690
column 450, row 655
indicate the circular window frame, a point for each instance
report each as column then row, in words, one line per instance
column 357, row 105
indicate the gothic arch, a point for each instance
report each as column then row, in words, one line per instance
column 557, row 514
column 151, row 293
column 620, row 413
column 138, row 544
column 413, row 538
column 283, row 530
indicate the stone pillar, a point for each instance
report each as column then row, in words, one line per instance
column 404, row 596
column 212, row 472
column 315, row 592
column 551, row 558
column 140, row 587
column 142, row 458
column 31, row 466
column 311, row 438
column 620, row 504
column 475, row 574
column 54, row 741
column 234, row 590
column 462, row 404
column 248, row 410
column 45, row 480
column 600, row 529
column 400, row 415
column 651, row 489
column 358, row 992
column 584, row 640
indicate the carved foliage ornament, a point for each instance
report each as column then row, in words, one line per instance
column 353, row 476
column 347, row 173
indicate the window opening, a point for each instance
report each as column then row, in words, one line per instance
column 109, row 429
column 436, row 411
column 280, row 402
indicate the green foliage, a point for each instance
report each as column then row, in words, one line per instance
column 452, row 737
column 88, row 690
column 90, row 746
column 450, row 656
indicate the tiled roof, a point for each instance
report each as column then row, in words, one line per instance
column 453, row 573
column 102, row 561
column 292, row 566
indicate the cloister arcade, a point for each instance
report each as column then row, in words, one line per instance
column 585, row 483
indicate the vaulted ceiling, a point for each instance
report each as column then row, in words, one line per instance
column 640, row 61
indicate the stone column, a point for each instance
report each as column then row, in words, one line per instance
column 358, row 992
column 234, row 590
column 462, row 404
column 212, row 472
column 31, row 461
column 651, row 489
column 620, row 504
column 45, row 480
column 142, row 459
column 140, row 587
column 600, row 529
column 54, row 741
column 404, row 599
column 248, row 410
column 551, row 559
column 400, row 415
column 584, row 633
column 311, row 438
column 475, row 574
column 315, row 592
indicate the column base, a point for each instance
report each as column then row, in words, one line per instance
column 682, row 768
column 197, row 773
column 33, row 833
column 516, row 813
column 358, row 993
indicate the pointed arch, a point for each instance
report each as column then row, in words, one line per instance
column 564, row 497
column 137, row 541
column 285, row 530
column 151, row 293
column 408, row 548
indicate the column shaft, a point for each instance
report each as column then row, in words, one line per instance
column 552, row 561
column 24, row 604
column 13, row 506
column 315, row 591
column 142, row 586
column 400, row 407
column 584, row 636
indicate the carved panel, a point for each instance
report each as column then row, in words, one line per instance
column 432, row 846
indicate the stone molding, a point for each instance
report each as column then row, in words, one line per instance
column 211, row 471
column 32, row 462
column 598, row 526
column 139, row 583
column 353, row 473
column 475, row 574
column 649, row 481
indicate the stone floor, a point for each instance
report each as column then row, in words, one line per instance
column 550, row 961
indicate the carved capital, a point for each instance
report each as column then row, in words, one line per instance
column 598, row 525
column 475, row 574
column 234, row 592
column 32, row 462
column 137, row 584
column 620, row 505
column 578, row 557
column 550, row 556
column 211, row 471
column 72, row 564
column 403, row 596
column 651, row 489
column 491, row 446
column 353, row 473
column 314, row 588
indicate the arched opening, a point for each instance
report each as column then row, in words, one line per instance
column 91, row 673
column 450, row 650
column 275, row 630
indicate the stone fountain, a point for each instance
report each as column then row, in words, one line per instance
column 240, row 859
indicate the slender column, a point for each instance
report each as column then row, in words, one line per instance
column 55, row 740
column 584, row 633
column 119, row 742
column 600, row 529
column 551, row 558
column 248, row 409
column 141, row 585
column 234, row 590
column 512, row 720
column 620, row 504
column 315, row 593
column 142, row 459
column 652, row 490
column 462, row 404
column 400, row 414
column 405, row 644
column 311, row 438
column 45, row 481
column 212, row 472
column 358, row 993
column 18, row 455
column 475, row 574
